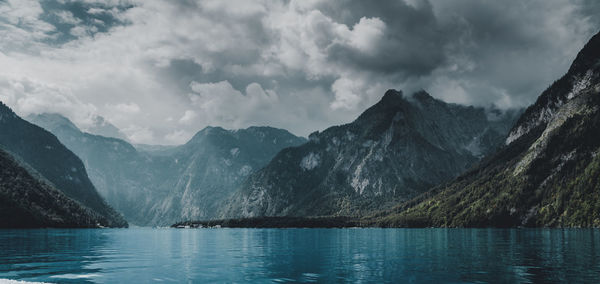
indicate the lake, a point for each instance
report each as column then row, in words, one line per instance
column 141, row 255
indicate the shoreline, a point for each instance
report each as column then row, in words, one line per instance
column 275, row 222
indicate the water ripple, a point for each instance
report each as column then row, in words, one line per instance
column 301, row 255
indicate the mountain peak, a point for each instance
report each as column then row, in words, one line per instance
column 391, row 102
column 262, row 128
column 259, row 132
column 51, row 121
column 393, row 151
column 423, row 96
column 5, row 110
column 392, row 94
column 588, row 57
column 209, row 128
column 206, row 131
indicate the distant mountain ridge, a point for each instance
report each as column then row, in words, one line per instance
column 110, row 162
column 101, row 126
column 59, row 166
column 217, row 161
column 395, row 150
column 162, row 185
column 548, row 174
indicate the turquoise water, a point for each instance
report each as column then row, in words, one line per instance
column 142, row 255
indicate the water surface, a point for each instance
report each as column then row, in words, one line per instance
column 143, row 255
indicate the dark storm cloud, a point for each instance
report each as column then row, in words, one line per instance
column 515, row 47
column 413, row 44
column 161, row 70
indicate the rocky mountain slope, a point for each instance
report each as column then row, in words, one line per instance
column 397, row 149
column 548, row 174
column 162, row 185
column 27, row 200
column 214, row 163
column 46, row 155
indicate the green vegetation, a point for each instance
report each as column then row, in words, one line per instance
column 548, row 177
column 28, row 202
column 275, row 222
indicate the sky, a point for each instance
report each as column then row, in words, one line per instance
column 161, row 70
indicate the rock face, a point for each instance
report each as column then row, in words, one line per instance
column 163, row 185
column 28, row 201
column 400, row 147
column 213, row 164
column 548, row 174
column 62, row 169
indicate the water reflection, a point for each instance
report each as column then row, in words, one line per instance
column 301, row 255
column 43, row 254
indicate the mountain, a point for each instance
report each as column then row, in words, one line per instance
column 154, row 149
column 548, row 174
column 400, row 147
column 101, row 126
column 64, row 170
column 214, row 163
column 162, row 185
column 126, row 178
column 28, row 201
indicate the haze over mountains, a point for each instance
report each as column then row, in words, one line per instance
column 109, row 162
column 548, row 174
column 403, row 144
column 104, row 128
column 53, row 166
column 163, row 185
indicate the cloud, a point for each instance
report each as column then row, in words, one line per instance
column 178, row 136
column 139, row 134
column 162, row 70
column 66, row 17
column 188, row 117
column 129, row 108
column 221, row 103
column 366, row 34
column 347, row 93
column 97, row 11
column 20, row 25
column 32, row 97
